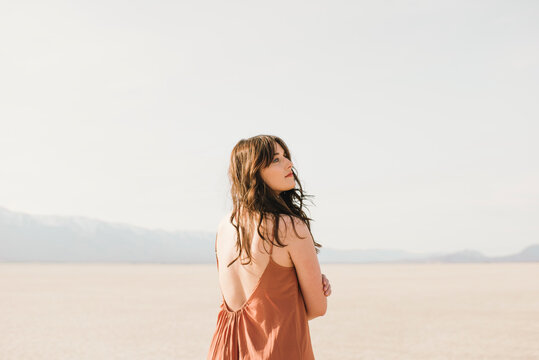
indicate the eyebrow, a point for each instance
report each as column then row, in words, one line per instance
column 277, row 154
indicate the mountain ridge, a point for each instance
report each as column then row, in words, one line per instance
column 48, row 238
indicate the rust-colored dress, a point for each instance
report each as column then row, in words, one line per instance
column 272, row 324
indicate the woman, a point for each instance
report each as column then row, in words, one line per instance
column 276, row 286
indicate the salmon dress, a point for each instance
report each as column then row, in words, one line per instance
column 272, row 323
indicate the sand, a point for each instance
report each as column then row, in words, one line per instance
column 149, row 311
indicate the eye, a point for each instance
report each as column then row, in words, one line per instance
column 275, row 159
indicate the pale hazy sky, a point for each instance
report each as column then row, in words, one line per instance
column 414, row 123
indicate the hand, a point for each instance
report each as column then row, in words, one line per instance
column 326, row 285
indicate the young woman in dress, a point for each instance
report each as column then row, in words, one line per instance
column 269, row 275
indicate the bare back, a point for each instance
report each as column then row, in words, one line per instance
column 238, row 282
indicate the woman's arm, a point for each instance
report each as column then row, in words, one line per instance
column 327, row 291
column 303, row 254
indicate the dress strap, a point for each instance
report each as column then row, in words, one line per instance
column 271, row 248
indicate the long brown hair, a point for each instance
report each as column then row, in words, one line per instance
column 253, row 199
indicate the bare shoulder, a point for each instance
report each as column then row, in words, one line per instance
column 224, row 222
column 291, row 228
column 295, row 225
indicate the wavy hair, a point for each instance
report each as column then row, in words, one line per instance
column 253, row 199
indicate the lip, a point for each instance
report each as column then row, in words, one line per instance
column 289, row 174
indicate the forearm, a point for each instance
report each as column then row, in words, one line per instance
column 311, row 315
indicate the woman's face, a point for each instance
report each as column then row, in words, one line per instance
column 275, row 175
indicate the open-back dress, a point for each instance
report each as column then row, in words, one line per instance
column 271, row 324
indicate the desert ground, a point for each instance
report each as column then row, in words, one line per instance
column 162, row 311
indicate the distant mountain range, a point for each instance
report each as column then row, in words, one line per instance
column 39, row 238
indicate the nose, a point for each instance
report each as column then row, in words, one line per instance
column 290, row 164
